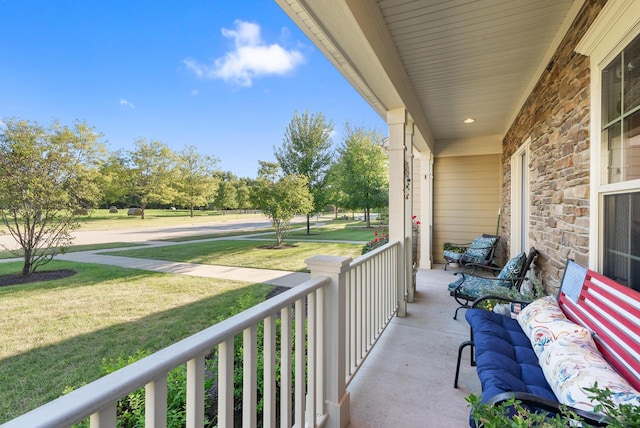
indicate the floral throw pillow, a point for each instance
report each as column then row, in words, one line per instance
column 572, row 364
column 544, row 322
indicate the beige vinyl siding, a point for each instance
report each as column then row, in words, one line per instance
column 467, row 193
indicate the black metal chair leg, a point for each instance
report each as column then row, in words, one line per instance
column 455, row 316
column 460, row 349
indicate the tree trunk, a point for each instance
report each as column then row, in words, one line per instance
column 308, row 224
column 191, row 210
column 26, row 267
column 367, row 214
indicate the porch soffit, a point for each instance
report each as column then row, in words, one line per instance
column 442, row 60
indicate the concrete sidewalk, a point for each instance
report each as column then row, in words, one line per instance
column 265, row 276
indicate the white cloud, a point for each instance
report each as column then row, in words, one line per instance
column 126, row 103
column 250, row 58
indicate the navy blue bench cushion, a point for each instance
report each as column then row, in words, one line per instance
column 505, row 360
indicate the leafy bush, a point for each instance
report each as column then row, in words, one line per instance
column 130, row 409
column 512, row 414
column 448, row 246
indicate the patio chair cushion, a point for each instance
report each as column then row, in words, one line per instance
column 513, row 268
column 477, row 286
column 452, row 256
column 479, row 250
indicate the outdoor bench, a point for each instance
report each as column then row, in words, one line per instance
column 556, row 347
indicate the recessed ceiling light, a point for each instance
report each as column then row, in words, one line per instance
column 469, row 120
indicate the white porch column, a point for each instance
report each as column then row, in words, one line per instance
column 424, row 165
column 335, row 352
column 397, row 119
column 408, row 208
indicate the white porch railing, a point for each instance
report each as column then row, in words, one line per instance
column 337, row 316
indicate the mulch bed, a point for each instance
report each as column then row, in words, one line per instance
column 38, row 276
column 277, row 247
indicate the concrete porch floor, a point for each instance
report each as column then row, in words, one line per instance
column 407, row 380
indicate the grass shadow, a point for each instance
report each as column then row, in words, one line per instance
column 32, row 378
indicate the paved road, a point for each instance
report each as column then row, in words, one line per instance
column 155, row 234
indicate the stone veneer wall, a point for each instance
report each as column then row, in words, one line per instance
column 556, row 118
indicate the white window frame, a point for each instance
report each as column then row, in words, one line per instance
column 520, row 207
column 615, row 27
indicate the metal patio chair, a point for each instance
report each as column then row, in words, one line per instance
column 478, row 254
column 469, row 287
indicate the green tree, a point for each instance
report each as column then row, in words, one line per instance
column 362, row 171
column 306, row 150
column 195, row 180
column 225, row 196
column 151, row 173
column 281, row 198
column 243, row 195
column 113, row 179
column 46, row 175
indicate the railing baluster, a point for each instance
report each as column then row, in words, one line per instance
column 104, row 418
column 359, row 328
column 249, row 382
column 311, row 359
column 353, row 320
column 285, row 368
column 299, row 364
column 155, row 411
column 269, row 356
column 320, row 352
column 195, row 392
column 366, row 320
column 225, row 383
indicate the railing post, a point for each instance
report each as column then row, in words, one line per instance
column 334, row 358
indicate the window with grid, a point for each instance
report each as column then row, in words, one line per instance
column 620, row 141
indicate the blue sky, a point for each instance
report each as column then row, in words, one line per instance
column 225, row 76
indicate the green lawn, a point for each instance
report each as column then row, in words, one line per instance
column 335, row 230
column 325, row 230
column 245, row 253
column 56, row 334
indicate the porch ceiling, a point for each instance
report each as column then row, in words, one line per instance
column 444, row 60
